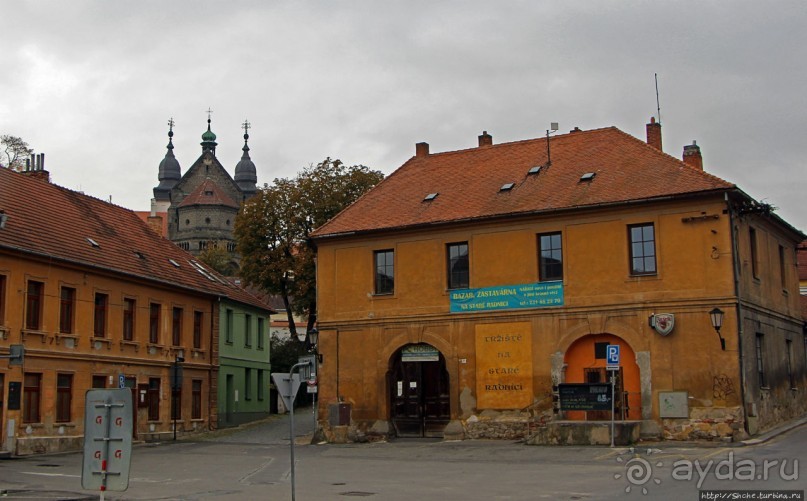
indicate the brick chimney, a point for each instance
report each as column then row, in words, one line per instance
column 692, row 155
column 35, row 168
column 421, row 149
column 654, row 134
column 485, row 139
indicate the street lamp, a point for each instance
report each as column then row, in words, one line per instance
column 176, row 386
column 716, row 315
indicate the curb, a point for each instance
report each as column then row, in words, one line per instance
column 765, row 437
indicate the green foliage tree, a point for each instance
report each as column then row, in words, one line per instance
column 15, row 151
column 272, row 230
column 216, row 256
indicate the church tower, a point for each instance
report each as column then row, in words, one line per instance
column 200, row 206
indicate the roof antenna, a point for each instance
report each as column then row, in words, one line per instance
column 658, row 106
column 553, row 127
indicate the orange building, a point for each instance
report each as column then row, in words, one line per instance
column 456, row 296
column 99, row 300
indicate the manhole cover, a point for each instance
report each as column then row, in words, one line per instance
column 357, row 493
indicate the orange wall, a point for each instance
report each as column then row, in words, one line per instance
column 47, row 351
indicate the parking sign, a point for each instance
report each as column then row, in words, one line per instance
column 612, row 357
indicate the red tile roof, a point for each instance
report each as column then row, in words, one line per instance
column 53, row 222
column 208, row 193
column 468, row 182
column 144, row 216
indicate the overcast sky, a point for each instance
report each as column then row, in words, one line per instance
column 92, row 83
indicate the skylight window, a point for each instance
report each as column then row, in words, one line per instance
column 534, row 170
column 588, row 176
column 173, row 262
column 507, row 187
column 430, row 197
column 140, row 254
column 94, row 243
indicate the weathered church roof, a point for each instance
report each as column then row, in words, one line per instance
column 208, row 193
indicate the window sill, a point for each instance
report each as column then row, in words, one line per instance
column 197, row 353
column 99, row 342
column 4, row 332
column 66, row 424
column 43, row 336
column 130, row 344
column 70, row 340
column 154, row 349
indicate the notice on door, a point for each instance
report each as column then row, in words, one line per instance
column 504, row 365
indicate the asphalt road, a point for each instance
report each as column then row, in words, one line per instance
column 254, row 463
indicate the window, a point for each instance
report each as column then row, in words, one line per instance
column 99, row 381
column 154, row 399
column 550, row 252
column 154, row 323
column 642, row 249
column 176, row 327
column 196, row 402
column 198, row 317
column 458, row 271
column 67, row 310
column 261, row 333
column 248, row 330
column 782, row 268
column 247, row 384
column 2, row 299
column 101, row 306
column 752, row 236
column 790, row 376
column 64, row 394
column 760, row 361
column 32, row 391
column 228, row 333
column 260, row 384
column 384, row 271
column 129, row 309
column 33, row 305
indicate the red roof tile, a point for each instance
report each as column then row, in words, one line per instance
column 468, row 181
column 208, row 193
column 50, row 221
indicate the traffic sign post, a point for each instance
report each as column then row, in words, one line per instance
column 107, row 440
column 287, row 386
column 612, row 364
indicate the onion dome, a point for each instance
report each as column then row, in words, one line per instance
column 245, row 173
column 169, row 172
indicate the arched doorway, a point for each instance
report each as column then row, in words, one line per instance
column 585, row 363
column 420, row 403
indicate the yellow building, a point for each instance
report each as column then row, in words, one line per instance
column 457, row 295
column 98, row 300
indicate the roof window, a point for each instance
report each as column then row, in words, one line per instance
column 140, row 254
column 430, row 197
column 93, row 243
column 173, row 262
column 507, row 187
column 534, row 170
column 588, row 176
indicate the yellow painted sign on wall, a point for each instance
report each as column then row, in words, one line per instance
column 503, row 366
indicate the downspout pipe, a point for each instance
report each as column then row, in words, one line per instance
column 735, row 253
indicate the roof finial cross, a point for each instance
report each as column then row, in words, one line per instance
column 171, row 124
column 246, row 126
column 209, row 112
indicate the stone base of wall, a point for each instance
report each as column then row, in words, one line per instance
column 503, row 425
column 706, row 423
column 26, row 446
column 586, row 433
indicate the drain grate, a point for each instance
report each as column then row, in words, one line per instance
column 357, row 493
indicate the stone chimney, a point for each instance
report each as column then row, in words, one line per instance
column 485, row 139
column 692, row 155
column 155, row 222
column 654, row 134
column 35, row 168
column 421, row 149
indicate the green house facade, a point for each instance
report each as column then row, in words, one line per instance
column 244, row 368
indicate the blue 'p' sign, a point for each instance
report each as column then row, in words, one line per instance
column 612, row 354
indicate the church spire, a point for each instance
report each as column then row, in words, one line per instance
column 169, row 172
column 208, row 138
column 245, row 173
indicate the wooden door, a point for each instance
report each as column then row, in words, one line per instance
column 420, row 402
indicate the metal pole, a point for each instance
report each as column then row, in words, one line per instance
column 291, row 439
column 613, row 379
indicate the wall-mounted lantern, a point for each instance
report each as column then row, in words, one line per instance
column 716, row 315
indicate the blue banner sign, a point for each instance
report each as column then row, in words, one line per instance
column 507, row 297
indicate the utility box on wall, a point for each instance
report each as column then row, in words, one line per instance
column 339, row 414
column 673, row 404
